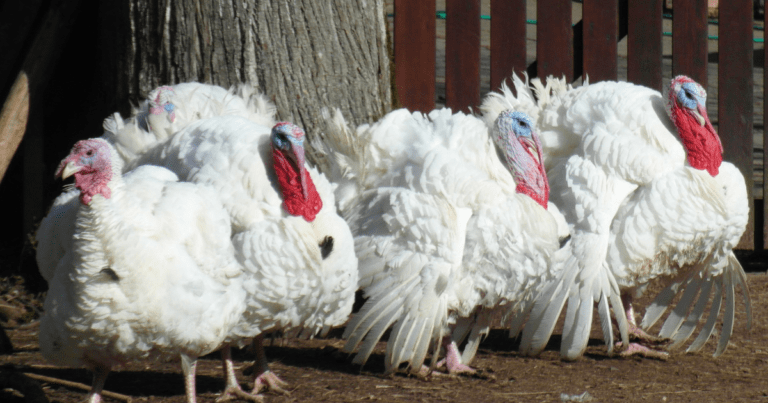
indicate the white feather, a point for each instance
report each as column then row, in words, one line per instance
column 439, row 229
column 149, row 273
column 636, row 211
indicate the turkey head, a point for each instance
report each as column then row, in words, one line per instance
column 93, row 164
column 515, row 134
column 300, row 198
column 687, row 107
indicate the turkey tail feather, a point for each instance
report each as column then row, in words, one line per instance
column 686, row 330
column 659, row 305
column 730, row 308
column 604, row 310
column 741, row 279
column 546, row 310
column 714, row 312
column 479, row 331
column 675, row 319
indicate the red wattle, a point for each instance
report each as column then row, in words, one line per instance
column 533, row 194
column 534, row 184
column 293, row 195
column 91, row 184
column 702, row 144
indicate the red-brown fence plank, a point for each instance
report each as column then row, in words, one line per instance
column 644, row 43
column 734, row 104
column 600, row 32
column 734, row 84
column 765, row 141
column 689, row 39
column 415, row 54
column 462, row 54
column 507, row 40
column 554, row 39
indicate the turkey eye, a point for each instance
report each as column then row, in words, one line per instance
column 89, row 153
column 281, row 141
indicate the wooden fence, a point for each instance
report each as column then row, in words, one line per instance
column 563, row 48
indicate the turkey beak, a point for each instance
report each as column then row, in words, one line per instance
column 699, row 116
column 703, row 118
column 298, row 153
column 532, row 149
column 65, row 171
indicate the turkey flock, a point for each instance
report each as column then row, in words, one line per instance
column 198, row 224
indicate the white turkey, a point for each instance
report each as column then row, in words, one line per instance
column 169, row 109
column 149, row 271
column 447, row 230
column 297, row 253
column 240, row 165
column 642, row 184
column 166, row 109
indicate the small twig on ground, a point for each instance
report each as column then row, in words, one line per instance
column 77, row 385
column 524, row 393
column 675, row 391
column 30, row 325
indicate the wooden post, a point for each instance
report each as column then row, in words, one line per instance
column 554, row 43
column 508, row 20
column 462, row 54
column 644, row 48
column 13, row 121
column 415, row 54
column 600, row 45
column 735, row 107
column 689, row 39
column 765, row 141
column 25, row 98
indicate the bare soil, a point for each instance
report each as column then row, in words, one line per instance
column 318, row 371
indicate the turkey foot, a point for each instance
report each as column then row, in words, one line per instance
column 452, row 360
column 233, row 390
column 99, row 377
column 648, row 344
column 641, row 350
column 263, row 378
column 636, row 332
column 269, row 381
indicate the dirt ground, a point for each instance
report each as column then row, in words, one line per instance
column 318, row 371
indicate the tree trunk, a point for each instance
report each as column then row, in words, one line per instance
column 303, row 54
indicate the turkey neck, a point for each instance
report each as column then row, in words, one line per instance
column 534, row 185
column 530, row 176
column 292, row 191
column 702, row 144
column 102, row 225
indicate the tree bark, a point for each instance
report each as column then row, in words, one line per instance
column 303, row 54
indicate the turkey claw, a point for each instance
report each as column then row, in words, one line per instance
column 234, row 393
column 269, row 381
